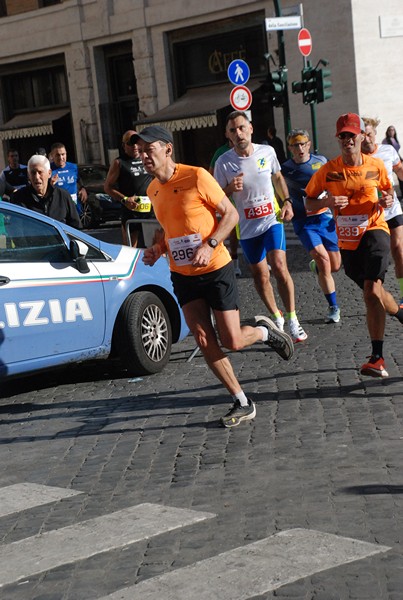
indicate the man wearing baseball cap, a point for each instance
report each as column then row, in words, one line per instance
column 357, row 190
column 186, row 200
column 152, row 134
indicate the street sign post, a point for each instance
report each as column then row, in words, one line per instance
column 238, row 72
column 240, row 98
column 304, row 42
column 283, row 65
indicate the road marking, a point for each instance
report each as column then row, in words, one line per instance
column 254, row 569
column 52, row 549
column 23, row 496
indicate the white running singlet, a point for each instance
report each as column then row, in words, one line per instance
column 256, row 203
column 390, row 157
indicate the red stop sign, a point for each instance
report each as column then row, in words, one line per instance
column 304, row 42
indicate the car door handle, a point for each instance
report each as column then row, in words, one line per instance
column 4, row 280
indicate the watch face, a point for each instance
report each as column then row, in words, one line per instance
column 213, row 243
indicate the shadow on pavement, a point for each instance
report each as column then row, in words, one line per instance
column 372, row 489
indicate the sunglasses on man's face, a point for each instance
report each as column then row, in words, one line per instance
column 299, row 145
column 347, row 135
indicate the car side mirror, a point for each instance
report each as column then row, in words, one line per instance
column 78, row 252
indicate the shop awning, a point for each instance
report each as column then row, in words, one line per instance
column 31, row 124
column 195, row 109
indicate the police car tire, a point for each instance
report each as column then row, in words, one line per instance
column 86, row 216
column 143, row 334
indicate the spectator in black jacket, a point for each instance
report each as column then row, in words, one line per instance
column 276, row 143
column 39, row 195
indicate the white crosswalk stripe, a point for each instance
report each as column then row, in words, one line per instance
column 67, row 545
column 22, row 496
column 254, row 569
column 238, row 574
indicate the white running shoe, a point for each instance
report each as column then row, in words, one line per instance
column 333, row 315
column 279, row 322
column 296, row 331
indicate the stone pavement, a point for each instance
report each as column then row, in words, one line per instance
column 324, row 453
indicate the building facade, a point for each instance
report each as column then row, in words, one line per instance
column 84, row 71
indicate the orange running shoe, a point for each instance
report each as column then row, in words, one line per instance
column 375, row 367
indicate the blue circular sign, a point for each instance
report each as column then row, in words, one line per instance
column 238, row 72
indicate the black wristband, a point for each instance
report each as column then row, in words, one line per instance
column 287, row 200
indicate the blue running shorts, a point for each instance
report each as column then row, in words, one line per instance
column 255, row 249
column 317, row 230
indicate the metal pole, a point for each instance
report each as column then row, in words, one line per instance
column 312, row 106
column 281, row 57
column 307, row 63
column 314, row 130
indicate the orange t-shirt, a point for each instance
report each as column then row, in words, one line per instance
column 360, row 184
column 185, row 206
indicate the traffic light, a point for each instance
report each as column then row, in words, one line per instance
column 314, row 86
column 297, row 87
column 307, row 85
column 278, row 86
column 323, row 84
column 308, row 75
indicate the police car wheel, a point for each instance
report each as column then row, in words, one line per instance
column 86, row 216
column 143, row 334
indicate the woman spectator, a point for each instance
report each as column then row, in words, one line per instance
column 391, row 139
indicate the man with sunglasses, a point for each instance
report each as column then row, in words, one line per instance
column 315, row 229
column 357, row 189
column 127, row 182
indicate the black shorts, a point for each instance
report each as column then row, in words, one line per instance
column 126, row 215
column 218, row 288
column 371, row 259
column 395, row 222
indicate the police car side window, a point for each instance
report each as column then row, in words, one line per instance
column 29, row 240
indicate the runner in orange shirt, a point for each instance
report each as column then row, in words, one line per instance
column 357, row 189
column 186, row 201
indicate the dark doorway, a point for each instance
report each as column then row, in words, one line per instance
column 119, row 112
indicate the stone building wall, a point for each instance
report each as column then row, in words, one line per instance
column 365, row 66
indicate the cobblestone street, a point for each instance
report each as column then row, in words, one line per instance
column 323, row 455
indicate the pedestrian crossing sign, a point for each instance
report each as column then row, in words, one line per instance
column 238, row 72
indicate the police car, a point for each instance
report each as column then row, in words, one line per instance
column 66, row 297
